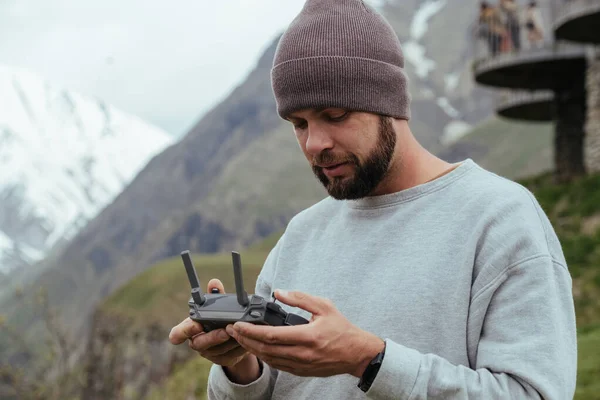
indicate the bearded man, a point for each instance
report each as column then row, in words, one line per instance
column 421, row 279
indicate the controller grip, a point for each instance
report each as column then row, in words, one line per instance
column 294, row 319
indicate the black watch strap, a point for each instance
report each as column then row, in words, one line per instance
column 366, row 380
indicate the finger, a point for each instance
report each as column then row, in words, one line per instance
column 185, row 330
column 215, row 283
column 210, row 339
column 288, row 335
column 227, row 357
column 270, row 351
column 313, row 304
column 222, row 349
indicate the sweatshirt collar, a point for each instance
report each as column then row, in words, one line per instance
column 412, row 192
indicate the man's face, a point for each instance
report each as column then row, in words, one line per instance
column 349, row 152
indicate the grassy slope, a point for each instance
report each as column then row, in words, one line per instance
column 514, row 150
column 160, row 295
column 588, row 384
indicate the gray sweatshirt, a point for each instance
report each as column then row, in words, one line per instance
column 463, row 277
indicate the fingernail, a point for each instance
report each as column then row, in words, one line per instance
column 238, row 326
column 223, row 334
column 229, row 329
column 282, row 292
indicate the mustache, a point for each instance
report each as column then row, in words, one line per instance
column 329, row 158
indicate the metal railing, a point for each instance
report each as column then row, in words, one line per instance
column 569, row 9
column 511, row 26
column 513, row 98
column 508, row 31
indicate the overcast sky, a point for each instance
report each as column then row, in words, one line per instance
column 167, row 62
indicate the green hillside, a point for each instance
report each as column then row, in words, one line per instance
column 160, row 294
column 511, row 149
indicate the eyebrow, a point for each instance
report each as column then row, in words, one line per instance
column 317, row 111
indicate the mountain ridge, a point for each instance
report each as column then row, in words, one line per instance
column 46, row 197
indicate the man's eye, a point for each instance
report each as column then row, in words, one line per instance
column 338, row 117
column 300, row 125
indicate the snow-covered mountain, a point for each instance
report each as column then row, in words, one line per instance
column 422, row 65
column 437, row 41
column 63, row 158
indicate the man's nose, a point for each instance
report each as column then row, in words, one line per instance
column 318, row 140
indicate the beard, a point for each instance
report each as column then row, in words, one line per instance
column 368, row 174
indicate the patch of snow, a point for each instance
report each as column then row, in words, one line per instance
column 451, row 81
column 415, row 54
column 376, row 4
column 418, row 26
column 447, row 107
column 455, row 130
column 413, row 51
column 6, row 243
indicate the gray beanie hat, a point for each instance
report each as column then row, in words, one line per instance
column 340, row 53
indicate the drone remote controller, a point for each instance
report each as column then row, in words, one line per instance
column 216, row 310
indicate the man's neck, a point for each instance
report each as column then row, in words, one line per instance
column 413, row 166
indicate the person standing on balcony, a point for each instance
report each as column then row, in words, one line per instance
column 534, row 25
column 510, row 9
column 491, row 27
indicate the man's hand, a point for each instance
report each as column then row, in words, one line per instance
column 328, row 345
column 217, row 346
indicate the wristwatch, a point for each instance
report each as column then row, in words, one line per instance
column 367, row 378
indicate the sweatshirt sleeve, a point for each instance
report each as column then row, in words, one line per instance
column 219, row 385
column 527, row 347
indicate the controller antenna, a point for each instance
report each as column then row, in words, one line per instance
column 193, row 278
column 242, row 296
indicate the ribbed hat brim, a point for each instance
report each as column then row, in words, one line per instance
column 353, row 83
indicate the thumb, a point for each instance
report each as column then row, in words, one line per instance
column 215, row 283
column 313, row 304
